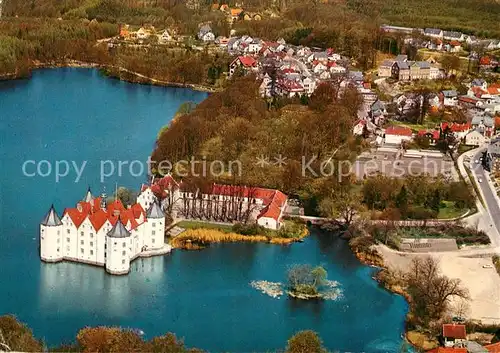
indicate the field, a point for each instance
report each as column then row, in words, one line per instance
column 204, row 225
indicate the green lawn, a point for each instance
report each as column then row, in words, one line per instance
column 205, row 225
column 450, row 211
column 429, row 123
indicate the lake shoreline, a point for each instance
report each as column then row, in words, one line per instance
column 109, row 71
column 373, row 258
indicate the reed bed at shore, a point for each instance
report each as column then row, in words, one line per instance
column 193, row 239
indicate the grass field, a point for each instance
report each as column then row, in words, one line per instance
column 450, row 211
column 204, row 225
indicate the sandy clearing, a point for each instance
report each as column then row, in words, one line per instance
column 467, row 265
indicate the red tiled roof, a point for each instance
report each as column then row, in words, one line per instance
column 273, row 210
column 478, row 91
column 455, row 43
column 454, row 331
column 448, row 350
column 470, row 100
column 247, row 61
column 98, row 219
column 493, row 348
column 456, row 127
column 166, row 182
column 434, row 133
column 494, row 90
column 138, row 210
column 76, row 216
column 485, row 60
column 115, row 206
column 398, row 130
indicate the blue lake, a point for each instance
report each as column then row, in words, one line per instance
column 205, row 296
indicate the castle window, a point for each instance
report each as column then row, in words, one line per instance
column 57, row 249
column 81, row 242
column 81, row 233
column 153, row 240
column 153, row 232
column 58, row 232
column 81, row 250
column 153, row 224
column 91, row 252
column 58, row 240
column 67, row 248
column 124, row 253
column 91, row 235
column 91, row 243
column 124, row 245
column 68, row 240
column 68, row 231
column 123, row 262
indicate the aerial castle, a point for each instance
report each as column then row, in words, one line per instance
column 110, row 236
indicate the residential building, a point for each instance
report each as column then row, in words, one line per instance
column 289, row 88
column 166, row 36
column 449, row 98
column 205, row 33
column 455, row 46
column 396, row 135
column 494, row 147
column 479, row 82
column 432, row 135
column 454, row 335
column 385, row 68
column 142, row 33
column 435, row 73
column 475, row 138
column 433, row 32
column 411, row 70
column 246, row 63
column 451, row 35
column 484, row 124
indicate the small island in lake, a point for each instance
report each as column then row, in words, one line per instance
column 306, row 282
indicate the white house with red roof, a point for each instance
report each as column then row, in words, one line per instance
column 107, row 235
column 289, row 88
column 454, row 335
column 396, row 135
column 247, row 63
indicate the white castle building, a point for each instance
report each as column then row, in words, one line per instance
column 110, row 236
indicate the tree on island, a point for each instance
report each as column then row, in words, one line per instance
column 304, row 281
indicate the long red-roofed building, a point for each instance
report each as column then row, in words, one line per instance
column 217, row 202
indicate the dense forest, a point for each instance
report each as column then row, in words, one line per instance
column 237, row 125
column 476, row 16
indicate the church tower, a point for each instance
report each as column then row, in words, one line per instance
column 51, row 237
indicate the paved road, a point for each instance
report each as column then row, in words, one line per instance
column 489, row 194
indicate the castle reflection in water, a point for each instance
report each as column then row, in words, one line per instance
column 91, row 289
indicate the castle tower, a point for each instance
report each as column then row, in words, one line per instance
column 88, row 196
column 155, row 227
column 51, row 237
column 118, row 245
